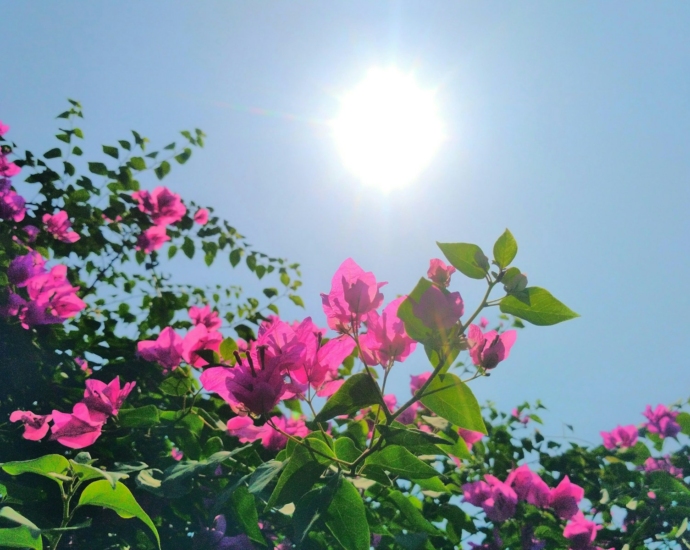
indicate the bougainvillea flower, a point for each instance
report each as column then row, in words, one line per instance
column 35, row 425
column 76, row 430
column 470, row 437
column 12, row 206
column 409, row 415
column 664, row 464
column 243, row 428
column 257, row 387
column 439, row 272
column 201, row 216
column 483, row 323
column 564, row 498
column 106, row 399
column 214, row 538
column 152, row 239
column 215, row 380
column 4, row 128
column 196, row 340
column 529, row 486
column 386, row 340
column 475, row 492
column 31, row 232
column 439, row 309
column 354, row 293
column 581, row 532
column 489, row 349
column 53, row 298
column 204, row 316
column 621, row 437
column 502, row 500
column 662, row 421
column 417, row 381
column 59, row 226
column 176, row 454
column 517, row 415
column 7, row 168
column 23, row 268
column 83, row 365
column 164, row 206
column 166, row 350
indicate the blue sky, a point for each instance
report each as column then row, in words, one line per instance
column 568, row 123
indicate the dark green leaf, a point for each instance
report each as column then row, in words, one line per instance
column 177, row 383
column 346, row 518
column 142, row 417
column 244, row 510
column 399, row 461
column 120, row 499
column 357, row 392
column 537, row 306
column 162, row 170
column 505, row 249
column 465, row 258
column 346, row 450
column 453, row 400
column 264, row 475
column 111, row 151
column 411, row 513
column 137, row 163
column 53, row 153
column 98, row 168
column 235, row 257
column 188, row 247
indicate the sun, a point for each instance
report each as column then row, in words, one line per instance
column 388, row 129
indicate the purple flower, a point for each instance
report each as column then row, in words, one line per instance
column 621, row 437
column 662, row 421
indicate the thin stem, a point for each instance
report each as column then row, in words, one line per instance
column 311, row 449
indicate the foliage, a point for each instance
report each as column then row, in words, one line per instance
column 213, row 439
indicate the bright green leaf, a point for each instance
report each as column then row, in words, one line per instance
column 453, row 400
column 505, row 249
column 357, row 392
column 119, row 499
column 227, row 348
column 98, row 168
column 20, row 537
column 47, row 466
column 399, row 461
column 346, row 518
column 466, row 258
column 537, row 306
column 162, row 170
column 12, row 515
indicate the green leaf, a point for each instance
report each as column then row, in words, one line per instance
column 296, row 300
column 346, row 518
column 188, row 247
column 111, row 151
column 637, row 454
column 119, row 499
column 357, row 392
column 411, row 513
column 235, row 257
column 244, row 510
column 98, row 168
column 303, row 469
column 264, row 475
column 414, row 326
column 12, row 515
column 505, row 249
column 86, row 472
column 172, row 250
column 311, row 508
column 227, row 347
column 125, row 144
column 466, row 258
column 53, row 153
column 20, row 537
column 409, row 438
column 346, row 450
column 537, row 306
column 47, row 466
column 137, row 163
column 162, row 170
column 453, row 400
column 142, row 417
column 183, row 156
column 683, row 419
column 177, row 383
column 399, row 461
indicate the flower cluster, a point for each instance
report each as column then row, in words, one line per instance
column 621, row 437
column 81, row 427
column 164, row 208
column 499, row 501
column 49, row 298
column 59, row 226
column 11, row 203
column 662, row 421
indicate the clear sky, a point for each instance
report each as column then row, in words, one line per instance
column 568, row 122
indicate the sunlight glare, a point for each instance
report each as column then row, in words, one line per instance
column 388, row 129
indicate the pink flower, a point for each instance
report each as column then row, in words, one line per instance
column 59, row 226
column 53, row 299
column 201, row 216
column 83, row 365
column 152, row 239
column 35, row 425
column 105, row 399
column 662, row 421
column 215, row 380
column 417, row 381
column 243, row 428
column 204, row 316
column 31, row 232
column 620, row 437
column 409, row 415
column 12, row 206
column 257, row 387
column 77, row 430
column 515, row 413
column 166, row 350
column 4, row 128
column 581, row 532
column 439, row 272
column 529, row 486
column 483, row 323
column 564, row 498
column 176, row 454
column 164, row 206
column 663, row 464
column 7, row 168
column 470, row 437
column 438, row 309
column 488, row 350
column 196, row 340
column 386, row 340
column 23, row 268
column 496, row 498
column 354, row 293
